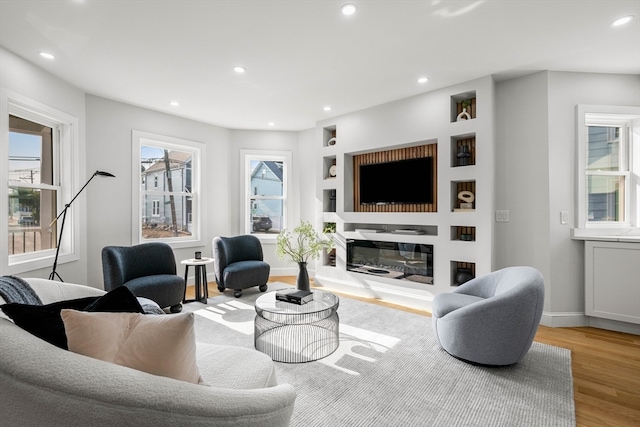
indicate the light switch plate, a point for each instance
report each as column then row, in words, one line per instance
column 502, row 216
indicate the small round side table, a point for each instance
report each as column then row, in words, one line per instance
column 202, row 291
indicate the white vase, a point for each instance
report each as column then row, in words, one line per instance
column 464, row 115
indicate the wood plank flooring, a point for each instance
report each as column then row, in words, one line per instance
column 605, row 367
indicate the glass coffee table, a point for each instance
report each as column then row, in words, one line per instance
column 294, row 333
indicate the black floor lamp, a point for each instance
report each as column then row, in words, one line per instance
column 63, row 214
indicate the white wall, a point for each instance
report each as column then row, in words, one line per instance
column 109, row 148
column 536, row 177
column 23, row 78
column 522, row 174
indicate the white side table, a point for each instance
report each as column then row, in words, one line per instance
column 202, row 290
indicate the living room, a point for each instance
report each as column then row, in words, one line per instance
column 526, row 131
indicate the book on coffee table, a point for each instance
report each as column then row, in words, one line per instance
column 294, row 296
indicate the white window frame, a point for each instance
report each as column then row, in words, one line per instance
column 66, row 171
column 628, row 118
column 198, row 150
column 246, row 157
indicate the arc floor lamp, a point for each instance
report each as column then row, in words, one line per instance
column 63, row 214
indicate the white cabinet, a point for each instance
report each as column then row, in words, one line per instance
column 612, row 280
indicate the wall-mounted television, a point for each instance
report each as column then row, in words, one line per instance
column 397, row 182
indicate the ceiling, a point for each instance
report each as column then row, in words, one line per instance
column 302, row 55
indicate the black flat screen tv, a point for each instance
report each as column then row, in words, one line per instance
column 397, row 182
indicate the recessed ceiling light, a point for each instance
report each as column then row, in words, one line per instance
column 621, row 21
column 423, row 79
column 175, row 103
column 271, row 124
column 239, row 69
column 349, row 9
column 46, row 55
column 327, row 108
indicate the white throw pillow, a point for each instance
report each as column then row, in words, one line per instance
column 159, row 345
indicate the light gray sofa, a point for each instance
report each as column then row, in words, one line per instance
column 43, row 385
column 492, row 319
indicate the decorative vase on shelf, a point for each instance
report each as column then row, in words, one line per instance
column 302, row 282
column 463, row 275
column 463, row 115
column 463, row 155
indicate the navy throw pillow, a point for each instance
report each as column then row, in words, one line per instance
column 44, row 321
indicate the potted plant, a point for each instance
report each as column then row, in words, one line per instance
column 301, row 245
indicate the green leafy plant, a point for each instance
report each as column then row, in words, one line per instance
column 465, row 103
column 329, row 228
column 302, row 244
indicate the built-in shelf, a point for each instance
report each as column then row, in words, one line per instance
column 327, row 163
column 329, row 136
column 459, row 269
column 457, row 106
column 465, row 187
column 463, row 150
column 452, row 232
column 405, row 229
column 329, row 200
column 463, row 233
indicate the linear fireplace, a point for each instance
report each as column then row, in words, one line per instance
column 404, row 261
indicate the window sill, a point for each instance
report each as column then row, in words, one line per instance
column 629, row 234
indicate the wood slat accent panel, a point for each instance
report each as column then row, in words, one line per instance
column 428, row 150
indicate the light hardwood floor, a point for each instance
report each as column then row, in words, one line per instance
column 605, row 367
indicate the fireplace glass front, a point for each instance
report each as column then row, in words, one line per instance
column 404, row 261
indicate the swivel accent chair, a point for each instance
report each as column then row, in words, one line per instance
column 238, row 263
column 490, row 320
column 148, row 270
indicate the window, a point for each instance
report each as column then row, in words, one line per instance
column 167, row 200
column 265, row 178
column 38, row 145
column 608, row 164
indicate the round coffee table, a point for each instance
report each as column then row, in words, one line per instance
column 294, row 333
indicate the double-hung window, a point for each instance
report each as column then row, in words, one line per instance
column 167, row 194
column 608, row 167
column 38, row 146
column 265, row 177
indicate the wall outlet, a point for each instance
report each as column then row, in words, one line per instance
column 564, row 217
column 502, row 216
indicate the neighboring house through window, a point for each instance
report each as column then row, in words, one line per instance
column 608, row 167
column 38, row 146
column 265, row 178
column 166, row 203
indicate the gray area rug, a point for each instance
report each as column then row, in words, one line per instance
column 389, row 371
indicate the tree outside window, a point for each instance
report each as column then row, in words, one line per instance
column 168, row 175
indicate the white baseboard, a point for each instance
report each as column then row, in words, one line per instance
column 574, row 320
column 614, row 325
column 563, row 320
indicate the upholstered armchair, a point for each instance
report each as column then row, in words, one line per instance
column 492, row 319
column 238, row 263
column 148, row 270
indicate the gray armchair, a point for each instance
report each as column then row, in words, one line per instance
column 148, row 270
column 490, row 320
column 238, row 263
